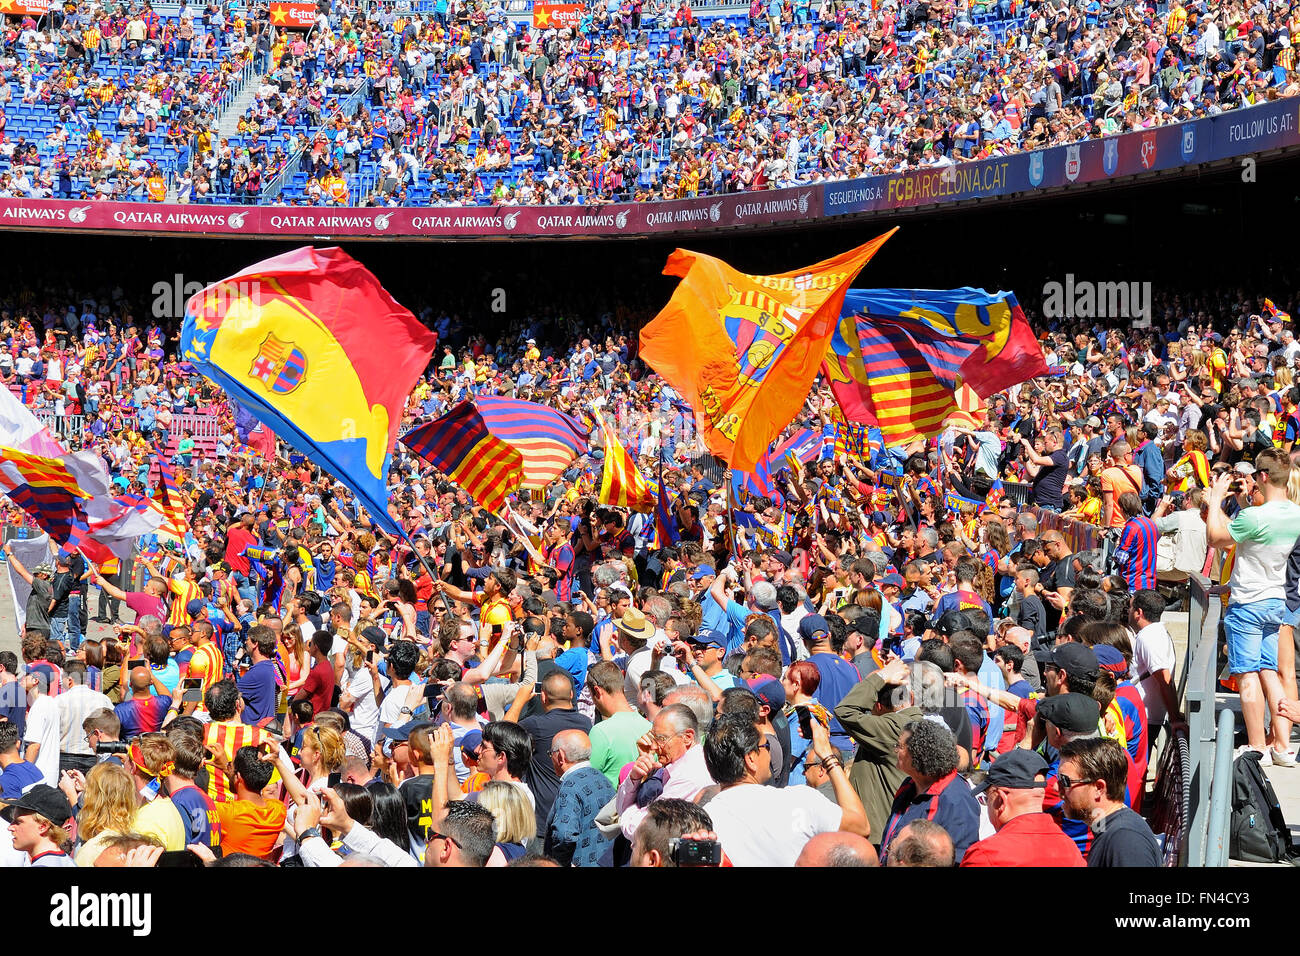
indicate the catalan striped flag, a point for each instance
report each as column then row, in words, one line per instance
column 169, row 498
column 461, row 446
column 905, row 352
column 621, row 483
column 547, row 440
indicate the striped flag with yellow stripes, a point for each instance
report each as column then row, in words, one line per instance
column 622, row 484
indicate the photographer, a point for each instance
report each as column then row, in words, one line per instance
column 668, row 823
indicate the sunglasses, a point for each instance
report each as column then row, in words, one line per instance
column 435, row 835
column 1064, row 782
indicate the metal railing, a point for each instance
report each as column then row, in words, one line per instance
column 1197, row 690
column 348, row 106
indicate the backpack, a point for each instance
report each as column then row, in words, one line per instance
column 1257, row 832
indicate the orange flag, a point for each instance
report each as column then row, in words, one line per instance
column 743, row 349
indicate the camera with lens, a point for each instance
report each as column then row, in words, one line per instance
column 112, row 747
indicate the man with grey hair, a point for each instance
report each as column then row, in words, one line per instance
column 695, row 699
column 1026, row 528
column 922, row 843
column 672, row 752
column 874, row 714
column 608, row 573
column 927, row 543
column 571, row 835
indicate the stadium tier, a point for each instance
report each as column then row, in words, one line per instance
column 476, row 104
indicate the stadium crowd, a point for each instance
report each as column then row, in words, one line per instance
column 947, row 653
column 459, row 104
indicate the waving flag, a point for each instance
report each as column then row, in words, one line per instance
column 56, row 491
column 317, row 350
column 666, row 532
column 170, row 501
column 460, row 445
column 899, row 355
column 743, row 349
column 800, row 448
column 621, row 483
column 547, row 440
column 19, row 428
column 1271, row 308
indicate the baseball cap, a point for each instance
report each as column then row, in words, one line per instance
column 403, row 733
column 1094, row 421
column 708, row 639
column 48, row 801
column 1110, row 659
column 194, row 608
column 783, row 556
column 769, row 691
column 1076, row 713
column 1016, row 770
column 1075, row 659
column 703, row 571
column 951, row 622
column 1244, row 468
column 813, row 625
column 893, row 580
column 470, row 744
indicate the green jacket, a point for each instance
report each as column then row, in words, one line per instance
column 874, row 774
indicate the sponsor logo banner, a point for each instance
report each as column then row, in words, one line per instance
column 556, row 16
column 1269, row 127
column 292, row 16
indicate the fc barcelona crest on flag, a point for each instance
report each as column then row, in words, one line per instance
column 279, row 365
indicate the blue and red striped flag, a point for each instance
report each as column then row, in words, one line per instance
column 665, row 523
column 547, row 440
column 900, row 362
column 461, row 446
column 53, row 509
column 804, row 446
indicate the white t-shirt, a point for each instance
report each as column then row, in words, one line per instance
column 1153, row 651
column 763, row 826
column 43, row 729
column 365, row 712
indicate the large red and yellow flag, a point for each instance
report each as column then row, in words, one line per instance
column 622, row 483
column 744, row 349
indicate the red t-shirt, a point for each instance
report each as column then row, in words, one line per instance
column 319, row 687
column 236, row 541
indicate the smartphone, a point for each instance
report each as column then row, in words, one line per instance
column 497, row 630
column 335, row 779
column 696, row 852
column 805, row 721
column 370, row 656
column 135, row 662
column 192, row 690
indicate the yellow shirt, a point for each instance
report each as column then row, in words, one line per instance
column 161, row 819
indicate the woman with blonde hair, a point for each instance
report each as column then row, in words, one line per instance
column 107, row 811
column 516, row 821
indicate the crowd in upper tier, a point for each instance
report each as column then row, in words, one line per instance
column 457, row 103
